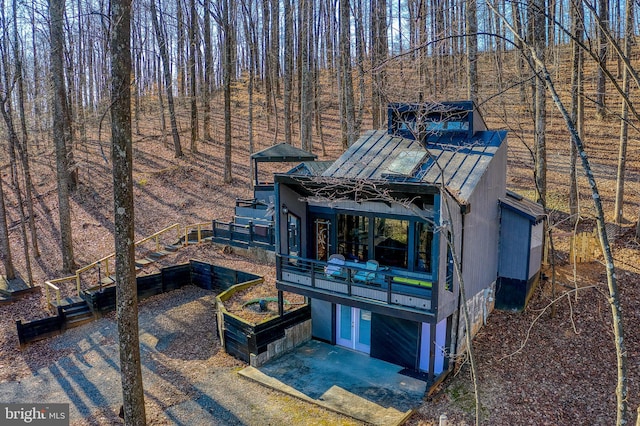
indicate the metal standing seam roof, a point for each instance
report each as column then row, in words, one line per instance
column 282, row 153
column 310, row 168
column 452, row 159
column 523, row 206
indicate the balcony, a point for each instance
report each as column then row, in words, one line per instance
column 382, row 287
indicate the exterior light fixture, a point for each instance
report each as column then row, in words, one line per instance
column 285, row 209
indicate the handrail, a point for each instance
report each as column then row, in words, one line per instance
column 55, row 288
column 50, row 284
column 384, row 279
column 197, row 226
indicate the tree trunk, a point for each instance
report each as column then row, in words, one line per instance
column 603, row 29
column 23, row 146
column 13, row 141
column 180, row 51
column 622, row 153
column 288, row 68
column 360, row 59
column 249, row 29
column 228, row 70
column 158, row 27
column 306, row 93
column 274, row 50
column 577, row 103
column 126, row 290
column 538, row 31
column 520, row 54
column 60, row 134
column 347, row 82
column 193, row 47
column 163, row 121
column 208, row 69
column 266, row 57
column 5, row 254
column 614, row 297
column 379, row 53
column 472, row 50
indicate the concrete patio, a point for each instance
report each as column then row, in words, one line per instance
column 344, row 381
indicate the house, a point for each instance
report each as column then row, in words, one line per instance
column 373, row 239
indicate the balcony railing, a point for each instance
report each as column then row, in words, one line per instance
column 249, row 235
column 384, row 285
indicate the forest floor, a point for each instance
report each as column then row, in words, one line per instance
column 554, row 363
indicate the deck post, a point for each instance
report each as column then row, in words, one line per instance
column 280, row 303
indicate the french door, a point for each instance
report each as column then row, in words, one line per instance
column 353, row 328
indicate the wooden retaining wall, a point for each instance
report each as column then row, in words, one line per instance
column 39, row 329
column 103, row 300
column 254, row 343
column 199, row 273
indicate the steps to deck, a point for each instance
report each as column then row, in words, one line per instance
column 76, row 313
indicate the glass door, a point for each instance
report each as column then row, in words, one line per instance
column 353, row 328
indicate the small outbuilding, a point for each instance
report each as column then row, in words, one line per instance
column 521, row 247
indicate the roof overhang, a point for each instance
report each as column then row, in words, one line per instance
column 524, row 207
column 282, row 153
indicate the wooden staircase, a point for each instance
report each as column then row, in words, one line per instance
column 75, row 312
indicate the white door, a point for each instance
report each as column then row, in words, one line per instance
column 439, row 347
column 353, row 328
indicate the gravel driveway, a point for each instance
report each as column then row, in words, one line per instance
column 188, row 379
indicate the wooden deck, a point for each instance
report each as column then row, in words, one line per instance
column 395, row 289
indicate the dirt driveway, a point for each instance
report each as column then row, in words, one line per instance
column 188, row 379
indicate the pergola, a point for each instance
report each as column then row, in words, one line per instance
column 280, row 153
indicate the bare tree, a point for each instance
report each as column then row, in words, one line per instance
column 379, row 53
column 159, row 30
column 577, row 100
column 23, row 146
column 472, row 50
column 7, row 260
column 537, row 30
column 603, row 30
column 227, row 28
column 306, row 80
column 624, row 124
column 126, row 289
column 288, row 69
column 249, row 26
column 346, row 82
column 193, row 48
column 61, row 135
column 614, row 297
column 208, row 69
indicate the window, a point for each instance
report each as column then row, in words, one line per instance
column 353, row 237
column 424, row 233
column 391, row 242
column 293, row 235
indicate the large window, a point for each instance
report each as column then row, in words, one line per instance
column 353, row 237
column 391, row 241
column 424, row 233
